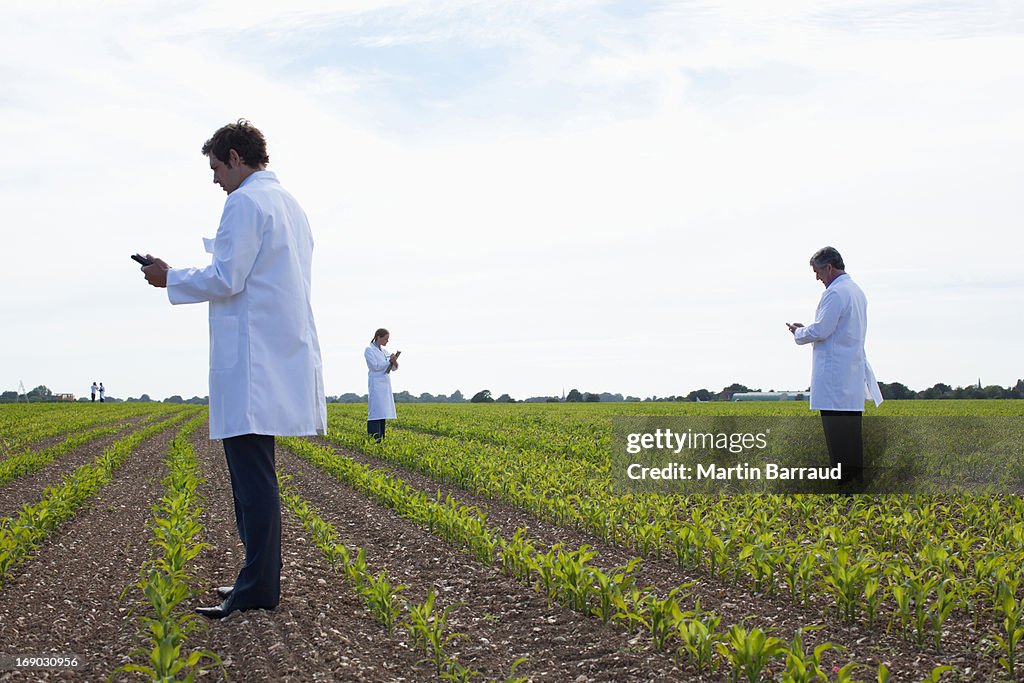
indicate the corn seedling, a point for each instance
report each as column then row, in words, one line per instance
column 426, row 627
column 699, row 634
column 749, row 652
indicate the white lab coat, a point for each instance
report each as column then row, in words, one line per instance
column 841, row 377
column 379, row 396
column 265, row 369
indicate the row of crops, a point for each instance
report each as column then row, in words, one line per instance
column 922, row 568
column 170, row 636
column 21, row 534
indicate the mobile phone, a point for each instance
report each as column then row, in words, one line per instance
column 142, row 259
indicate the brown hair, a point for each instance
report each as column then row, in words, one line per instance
column 244, row 138
column 379, row 333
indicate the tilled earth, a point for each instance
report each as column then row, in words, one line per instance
column 30, row 487
column 77, row 594
column 67, row 599
column 962, row 645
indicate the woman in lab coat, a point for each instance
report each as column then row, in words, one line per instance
column 381, row 400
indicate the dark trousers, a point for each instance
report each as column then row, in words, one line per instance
column 845, row 442
column 375, row 428
column 258, row 517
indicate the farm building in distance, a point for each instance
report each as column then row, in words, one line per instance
column 770, row 396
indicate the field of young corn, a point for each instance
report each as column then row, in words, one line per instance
column 485, row 543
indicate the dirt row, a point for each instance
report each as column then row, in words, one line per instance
column 71, row 597
column 68, row 599
column 76, row 595
column 29, row 488
column 130, row 421
column 961, row 642
column 319, row 632
column 502, row 619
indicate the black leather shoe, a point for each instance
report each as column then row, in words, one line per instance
column 225, row 591
column 217, row 612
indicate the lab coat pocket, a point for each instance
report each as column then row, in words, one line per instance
column 223, row 342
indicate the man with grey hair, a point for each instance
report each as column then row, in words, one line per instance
column 841, row 377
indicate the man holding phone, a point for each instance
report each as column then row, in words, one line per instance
column 841, row 377
column 266, row 377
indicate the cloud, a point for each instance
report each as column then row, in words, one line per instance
column 527, row 195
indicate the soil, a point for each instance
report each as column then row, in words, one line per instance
column 502, row 620
column 77, row 594
column 961, row 641
column 29, row 488
column 67, row 599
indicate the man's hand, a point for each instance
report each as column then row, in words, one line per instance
column 792, row 326
column 156, row 272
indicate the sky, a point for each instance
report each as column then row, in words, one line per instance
column 531, row 196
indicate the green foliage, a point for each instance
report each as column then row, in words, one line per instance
column 749, row 652
column 165, row 580
column 427, row 627
column 383, row 599
column 803, row 666
column 20, row 535
column 700, row 637
column 913, row 560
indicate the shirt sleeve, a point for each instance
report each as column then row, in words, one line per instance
column 826, row 319
column 238, row 241
column 376, row 361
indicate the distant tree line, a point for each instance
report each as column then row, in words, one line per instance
column 891, row 391
column 899, row 391
column 402, row 397
column 42, row 394
column 894, row 391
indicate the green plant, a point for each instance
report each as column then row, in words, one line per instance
column 512, row 678
column 662, row 616
column 749, row 652
column 1013, row 631
column 803, row 666
column 699, row 634
column 165, row 581
column 426, row 627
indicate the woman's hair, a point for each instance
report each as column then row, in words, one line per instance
column 381, row 332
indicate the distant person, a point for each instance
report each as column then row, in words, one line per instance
column 265, row 369
column 92, row 392
column 103, row 393
column 841, row 377
column 380, row 399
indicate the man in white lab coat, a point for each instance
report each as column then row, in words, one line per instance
column 265, row 370
column 841, row 377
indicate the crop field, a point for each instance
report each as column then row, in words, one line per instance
column 486, row 543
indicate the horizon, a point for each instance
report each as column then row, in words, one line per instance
column 467, row 395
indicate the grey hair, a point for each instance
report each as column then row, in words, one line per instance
column 827, row 256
